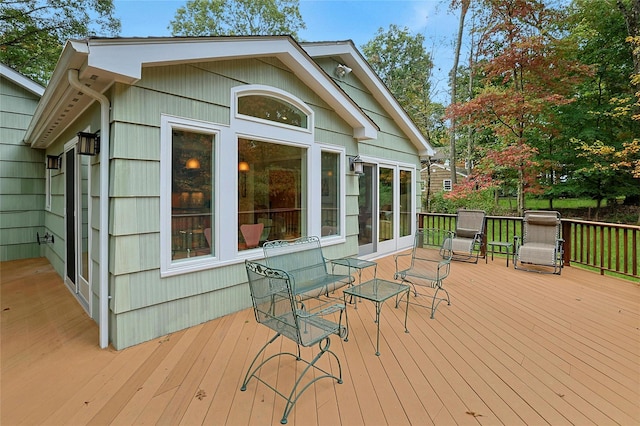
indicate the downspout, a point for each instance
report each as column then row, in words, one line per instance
column 104, row 203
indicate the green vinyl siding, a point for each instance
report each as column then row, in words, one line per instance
column 22, row 176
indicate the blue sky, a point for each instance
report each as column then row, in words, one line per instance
column 356, row 20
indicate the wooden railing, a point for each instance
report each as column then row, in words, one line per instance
column 606, row 247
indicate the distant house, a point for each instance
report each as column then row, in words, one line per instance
column 22, row 175
column 437, row 173
column 196, row 137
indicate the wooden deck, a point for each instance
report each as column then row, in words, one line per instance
column 513, row 348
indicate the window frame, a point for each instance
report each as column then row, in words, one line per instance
column 316, row 216
column 447, row 185
column 169, row 267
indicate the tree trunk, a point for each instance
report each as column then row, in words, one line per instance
column 464, row 6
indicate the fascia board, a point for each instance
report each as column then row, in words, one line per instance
column 20, row 80
column 123, row 60
column 346, row 51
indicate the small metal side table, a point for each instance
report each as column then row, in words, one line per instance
column 357, row 264
column 378, row 291
column 500, row 244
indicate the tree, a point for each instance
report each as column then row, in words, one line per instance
column 33, row 32
column 526, row 74
column 404, row 66
column 237, row 17
column 464, row 6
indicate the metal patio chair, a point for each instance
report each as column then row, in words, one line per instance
column 429, row 264
column 275, row 306
column 467, row 239
column 540, row 244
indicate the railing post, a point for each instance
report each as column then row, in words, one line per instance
column 566, row 236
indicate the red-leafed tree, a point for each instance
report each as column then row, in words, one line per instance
column 526, row 73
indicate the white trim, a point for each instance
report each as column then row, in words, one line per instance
column 315, row 209
column 47, row 190
column 271, row 92
column 22, row 81
column 167, row 266
column 349, row 56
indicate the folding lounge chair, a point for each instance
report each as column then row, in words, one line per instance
column 275, row 307
column 541, row 244
column 427, row 265
column 467, row 240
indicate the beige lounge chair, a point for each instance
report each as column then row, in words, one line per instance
column 540, row 247
column 467, row 240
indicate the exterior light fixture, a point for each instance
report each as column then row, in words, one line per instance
column 356, row 165
column 47, row 238
column 54, row 162
column 342, row 70
column 88, row 143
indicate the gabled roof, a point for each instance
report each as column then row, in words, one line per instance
column 20, row 80
column 351, row 57
column 104, row 61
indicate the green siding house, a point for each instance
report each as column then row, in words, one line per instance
column 22, row 175
column 172, row 160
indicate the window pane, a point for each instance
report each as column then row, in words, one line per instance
column 330, row 188
column 386, row 204
column 405, row 203
column 272, row 109
column 191, row 194
column 271, row 192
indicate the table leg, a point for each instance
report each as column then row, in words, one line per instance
column 378, row 308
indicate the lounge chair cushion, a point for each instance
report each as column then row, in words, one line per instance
column 466, row 233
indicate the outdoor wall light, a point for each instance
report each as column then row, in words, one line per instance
column 356, row 165
column 54, row 162
column 88, row 143
column 342, row 70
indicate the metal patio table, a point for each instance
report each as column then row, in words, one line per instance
column 378, row 291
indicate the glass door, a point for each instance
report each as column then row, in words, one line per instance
column 367, row 212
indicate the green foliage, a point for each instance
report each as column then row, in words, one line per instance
column 479, row 200
column 401, row 61
column 33, row 32
column 237, row 17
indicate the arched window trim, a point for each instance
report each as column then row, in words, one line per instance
column 271, row 92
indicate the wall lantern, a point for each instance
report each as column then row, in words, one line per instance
column 88, row 143
column 54, row 162
column 356, row 165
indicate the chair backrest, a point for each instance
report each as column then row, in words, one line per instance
column 302, row 257
column 251, row 233
column 273, row 302
column 541, row 226
column 469, row 223
column 432, row 249
column 207, row 236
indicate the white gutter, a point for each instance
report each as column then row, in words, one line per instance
column 104, row 203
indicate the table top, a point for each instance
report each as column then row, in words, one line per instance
column 377, row 290
column 353, row 262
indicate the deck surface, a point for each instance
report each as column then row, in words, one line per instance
column 513, row 348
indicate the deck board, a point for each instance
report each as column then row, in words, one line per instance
column 513, row 348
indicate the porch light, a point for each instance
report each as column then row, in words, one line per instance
column 88, row 143
column 54, row 162
column 356, row 165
